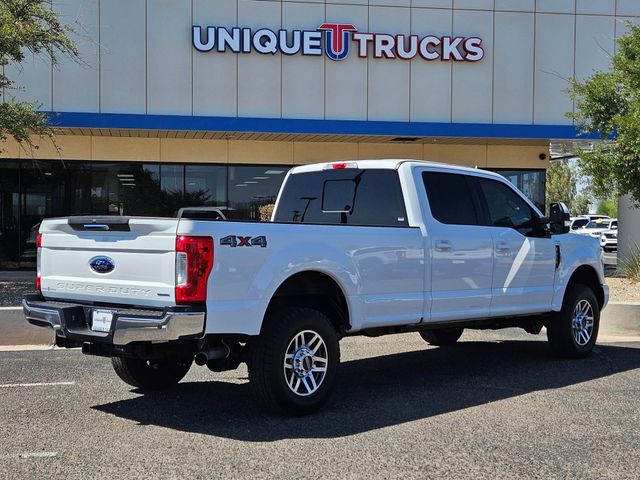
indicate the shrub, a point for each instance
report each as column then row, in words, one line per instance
column 630, row 265
column 266, row 211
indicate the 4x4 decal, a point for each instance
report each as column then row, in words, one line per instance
column 240, row 241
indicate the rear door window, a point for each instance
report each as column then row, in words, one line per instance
column 343, row 197
column 451, row 198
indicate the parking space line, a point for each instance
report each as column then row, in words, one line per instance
column 31, row 455
column 21, row 348
column 11, row 308
column 44, row 384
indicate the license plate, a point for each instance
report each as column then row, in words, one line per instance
column 101, row 320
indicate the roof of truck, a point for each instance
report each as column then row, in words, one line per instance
column 383, row 164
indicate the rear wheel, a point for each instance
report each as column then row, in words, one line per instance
column 443, row 336
column 573, row 331
column 151, row 374
column 293, row 364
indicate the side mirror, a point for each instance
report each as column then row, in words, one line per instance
column 559, row 218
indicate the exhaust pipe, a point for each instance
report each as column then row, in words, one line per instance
column 216, row 352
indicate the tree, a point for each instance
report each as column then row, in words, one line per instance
column 562, row 179
column 608, row 104
column 580, row 204
column 28, row 26
column 607, row 207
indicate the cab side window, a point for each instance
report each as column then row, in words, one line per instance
column 506, row 208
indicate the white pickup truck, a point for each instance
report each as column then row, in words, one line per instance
column 357, row 248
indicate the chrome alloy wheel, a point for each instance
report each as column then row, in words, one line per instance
column 582, row 322
column 305, row 363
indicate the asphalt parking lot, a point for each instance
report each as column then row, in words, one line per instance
column 610, row 262
column 496, row 405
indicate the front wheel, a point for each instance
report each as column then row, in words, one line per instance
column 443, row 336
column 151, row 374
column 293, row 364
column 572, row 332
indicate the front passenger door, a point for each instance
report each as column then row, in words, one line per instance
column 523, row 252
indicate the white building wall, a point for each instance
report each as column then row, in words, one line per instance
column 629, row 232
column 123, row 57
column 138, row 58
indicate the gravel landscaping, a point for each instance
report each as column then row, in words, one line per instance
column 11, row 292
column 623, row 290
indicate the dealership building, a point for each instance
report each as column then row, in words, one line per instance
column 198, row 102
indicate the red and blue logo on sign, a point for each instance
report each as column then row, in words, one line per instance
column 337, row 39
column 337, row 43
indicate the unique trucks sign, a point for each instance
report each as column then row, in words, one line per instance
column 335, row 41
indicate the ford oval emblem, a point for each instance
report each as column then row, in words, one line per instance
column 102, row 264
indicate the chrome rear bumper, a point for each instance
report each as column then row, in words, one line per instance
column 72, row 321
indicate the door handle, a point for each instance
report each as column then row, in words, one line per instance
column 503, row 248
column 443, row 246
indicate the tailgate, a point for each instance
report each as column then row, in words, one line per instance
column 109, row 259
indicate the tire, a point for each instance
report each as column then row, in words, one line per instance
column 443, row 336
column 151, row 374
column 573, row 331
column 293, row 363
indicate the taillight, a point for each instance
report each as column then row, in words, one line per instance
column 194, row 259
column 38, row 255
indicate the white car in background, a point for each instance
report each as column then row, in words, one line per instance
column 595, row 228
column 582, row 220
column 609, row 240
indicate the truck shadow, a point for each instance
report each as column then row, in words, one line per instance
column 377, row 392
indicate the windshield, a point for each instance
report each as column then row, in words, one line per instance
column 598, row 224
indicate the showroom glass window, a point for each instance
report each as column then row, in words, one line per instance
column 251, row 187
column 9, row 214
column 125, row 189
column 37, row 189
column 205, row 185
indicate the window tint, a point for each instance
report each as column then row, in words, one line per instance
column 506, row 207
column 450, row 198
column 529, row 182
column 350, row 196
column 579, row 223
column 598, row 224
column 338, row 196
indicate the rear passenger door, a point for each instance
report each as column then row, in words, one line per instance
column 524, row 252
column 459, row 246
